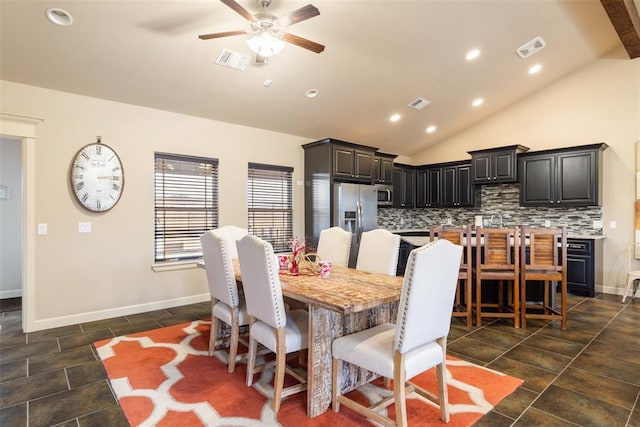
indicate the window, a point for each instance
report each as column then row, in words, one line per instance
column 270, row 203
column 186, row 204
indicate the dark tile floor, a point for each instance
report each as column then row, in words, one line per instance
column 588, row 375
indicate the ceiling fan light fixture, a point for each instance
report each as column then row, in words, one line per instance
column 265, row 44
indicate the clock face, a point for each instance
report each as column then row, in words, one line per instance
column 97, row 177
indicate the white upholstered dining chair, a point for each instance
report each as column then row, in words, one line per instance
column 279, row 330
column 633, row 276
column 231, row 234
column 378, row 252
column 227, row 303
column 334, row 245
column 415, row 344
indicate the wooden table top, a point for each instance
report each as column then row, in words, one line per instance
column 347, row 290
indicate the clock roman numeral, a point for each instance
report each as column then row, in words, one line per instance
column 80, row 185
column 98, row 204
column 116, row 178
column 98, row 150
column 85, row 155
column 85, row 197
column 116, row 187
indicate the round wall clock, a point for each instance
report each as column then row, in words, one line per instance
column 97, row 177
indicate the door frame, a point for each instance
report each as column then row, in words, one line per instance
column 24, row 128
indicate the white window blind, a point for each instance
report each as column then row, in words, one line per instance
column 186, row 204
column 270, row 204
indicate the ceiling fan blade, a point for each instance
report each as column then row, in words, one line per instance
column 306, row 12
column 240, row 10
column 302, row 42
column 218, row 35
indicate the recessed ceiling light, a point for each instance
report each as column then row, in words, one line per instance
column 394, row 117
column 431, row 129
column 267, row 83
column 311, row 93
column 477, row 102
column 473, row 54
column 534, row 69
column 58, row 16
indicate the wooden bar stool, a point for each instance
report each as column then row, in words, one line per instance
column 544, row 259
column 463, row 303
column 497, row 261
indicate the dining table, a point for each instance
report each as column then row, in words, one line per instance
column 348, row 301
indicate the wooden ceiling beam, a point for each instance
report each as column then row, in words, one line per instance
column 626, row 21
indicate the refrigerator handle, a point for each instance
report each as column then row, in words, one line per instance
column 360, row 219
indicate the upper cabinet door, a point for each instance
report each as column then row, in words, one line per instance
column 343, row 162
column 577, row 179
column 537, row 180
column 363, row 165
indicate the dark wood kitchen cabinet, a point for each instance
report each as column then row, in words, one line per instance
column 404, row 186
column 429, row 187
column 584, row 266
column 562, row 177
column 457, row 187
column 495, row 165
column 383, row 168
column 353, row 163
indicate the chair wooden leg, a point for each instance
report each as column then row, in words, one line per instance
column 468, row 299
column 443, row 393
column 478, row 302
column 213, row 335
column 563, row 301
column 251, row 360
column 399, row 389
column 523, row 303
column 337, row 385
column 516, row 302
column 281, row 361
column 235, row 335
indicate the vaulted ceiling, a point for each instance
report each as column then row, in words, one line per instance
column 380, row 56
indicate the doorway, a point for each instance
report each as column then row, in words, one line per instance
column 11, row 201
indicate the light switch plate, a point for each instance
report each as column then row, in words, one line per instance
column 613, row 224
column 547, row 223
column 84, row 227
column 597, row 224
column 42, row 229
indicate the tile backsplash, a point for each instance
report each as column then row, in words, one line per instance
column 495, row 201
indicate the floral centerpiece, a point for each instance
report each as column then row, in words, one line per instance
column 297, row 252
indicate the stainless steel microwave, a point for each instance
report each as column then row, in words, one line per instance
column 385, row 195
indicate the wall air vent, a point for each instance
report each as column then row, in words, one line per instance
column 233, row 59
column 419, row 103
column 530, row 47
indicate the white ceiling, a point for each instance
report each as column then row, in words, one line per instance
column 380, row 55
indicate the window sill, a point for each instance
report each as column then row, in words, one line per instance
column 175, row 265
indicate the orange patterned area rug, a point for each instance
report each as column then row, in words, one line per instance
column 165, row 377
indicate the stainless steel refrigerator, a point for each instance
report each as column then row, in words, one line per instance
column 355, row 209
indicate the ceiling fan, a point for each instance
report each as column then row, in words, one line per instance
column 268, row 31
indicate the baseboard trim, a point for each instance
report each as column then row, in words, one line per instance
column 55, row 322
column 13, row 293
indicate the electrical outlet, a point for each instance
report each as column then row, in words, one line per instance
column 84, row 227
column 613, row 224
column 547, row 223
column 449, row 221
column 42, row 229
column 597, row 224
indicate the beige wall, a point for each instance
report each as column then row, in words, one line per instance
column 82, row 277
column 599, row 103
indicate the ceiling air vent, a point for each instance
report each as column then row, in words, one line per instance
column 419, row 103
column 233, row 59
column 530, row 47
